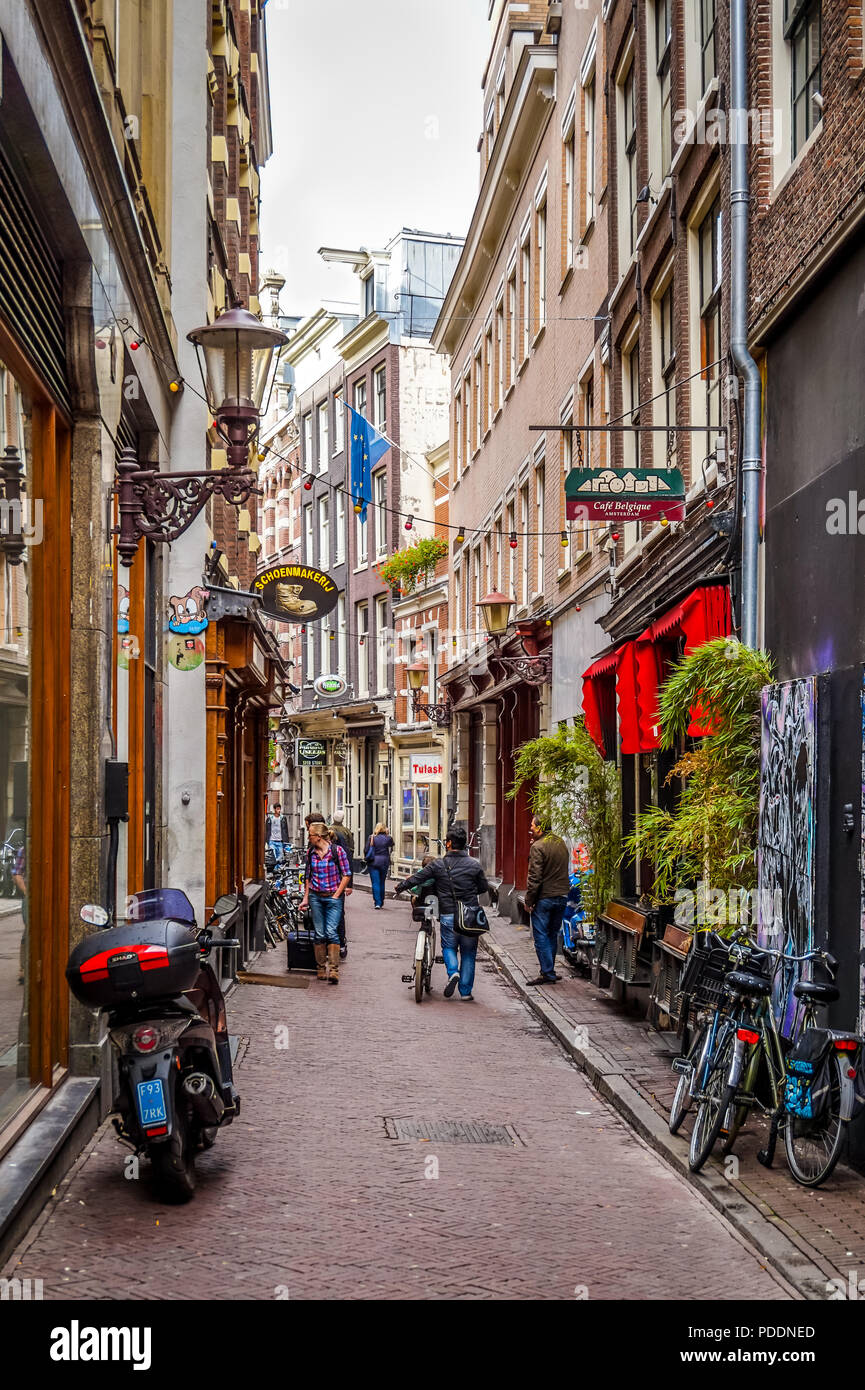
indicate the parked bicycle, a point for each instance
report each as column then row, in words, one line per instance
column 737, row 1040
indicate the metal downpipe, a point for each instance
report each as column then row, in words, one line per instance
column 740, row 197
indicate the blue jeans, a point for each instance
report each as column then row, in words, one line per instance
column 326, row 915
column 467, row 946
column 547, row 917
column 276, row 846
column 377, row 878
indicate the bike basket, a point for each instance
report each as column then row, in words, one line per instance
column 703, row 976
column 809, row 1078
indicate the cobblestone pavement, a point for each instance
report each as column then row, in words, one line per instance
column 828, row 1224
column 307, row 1196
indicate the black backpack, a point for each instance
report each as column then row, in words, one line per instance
column 809, row 1075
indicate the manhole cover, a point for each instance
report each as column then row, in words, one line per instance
column 451, row 1131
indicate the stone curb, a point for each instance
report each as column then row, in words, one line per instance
column 764, row 1234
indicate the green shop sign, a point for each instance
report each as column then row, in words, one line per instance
column 624, row 494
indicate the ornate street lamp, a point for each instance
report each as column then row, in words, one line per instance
column 439, row 715
column 496, row 611
column 235, row 355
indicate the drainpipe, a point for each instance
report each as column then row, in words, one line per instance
column 747, row 368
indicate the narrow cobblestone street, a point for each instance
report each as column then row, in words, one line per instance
column 308, row 1197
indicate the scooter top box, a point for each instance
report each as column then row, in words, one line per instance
column 137, row 960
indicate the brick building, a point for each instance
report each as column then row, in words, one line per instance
column 523, row 323
column 807, row 281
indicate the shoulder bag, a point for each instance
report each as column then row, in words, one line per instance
column 468, row 920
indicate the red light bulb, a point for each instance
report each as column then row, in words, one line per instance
column 307, row 484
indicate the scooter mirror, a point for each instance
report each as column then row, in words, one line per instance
column 225, row 905
column 95, row 915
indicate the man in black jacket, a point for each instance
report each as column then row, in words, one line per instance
column 343, row 837
column 455, row 878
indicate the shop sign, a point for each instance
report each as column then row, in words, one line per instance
column 624, row 494
column 295, row 593
column 427, row 767
column 330, row 686
column 310, row 752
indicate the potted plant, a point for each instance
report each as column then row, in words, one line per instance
column 402, row 570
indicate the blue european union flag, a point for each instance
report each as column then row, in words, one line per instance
column 367, row 447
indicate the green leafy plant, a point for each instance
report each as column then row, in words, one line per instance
column 402, row 570
column 711, row 835
column 573, row 790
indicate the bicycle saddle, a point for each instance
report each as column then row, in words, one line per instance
column 822, row 994
column 743, row 982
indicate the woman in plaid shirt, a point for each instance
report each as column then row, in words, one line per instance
column 328, row 876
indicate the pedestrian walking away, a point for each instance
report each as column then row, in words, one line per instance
column 546, row 896
column 344, row 837
column 276, row 832
column 377, row 855
column 328, row 876
column 456, row 878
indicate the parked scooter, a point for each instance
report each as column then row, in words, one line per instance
column 167, row 1023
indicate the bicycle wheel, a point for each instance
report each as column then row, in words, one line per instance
column 716, row 1100
column 813, row 1148
column 418, row 981
column 740, row 1113
column 683, row 1100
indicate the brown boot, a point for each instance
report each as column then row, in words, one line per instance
column 333, row 962
column 320, row 948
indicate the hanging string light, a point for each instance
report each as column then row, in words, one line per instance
column 307, row 484
column 408, row 524
column 461, row 535
column 565, row 541
column 513, row 540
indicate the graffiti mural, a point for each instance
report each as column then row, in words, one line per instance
column 785, row 846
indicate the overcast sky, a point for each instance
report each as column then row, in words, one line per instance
column 376, row 113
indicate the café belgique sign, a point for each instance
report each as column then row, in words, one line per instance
column 295, row 593
column 624, row 494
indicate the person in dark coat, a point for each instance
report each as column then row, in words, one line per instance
column 457, row 877
column 343, row 836
column 377, row 855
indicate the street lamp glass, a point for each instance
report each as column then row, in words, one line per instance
column 495, row 612
column 235, row 355
column 416, row 674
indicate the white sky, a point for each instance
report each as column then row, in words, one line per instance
column 376, row 113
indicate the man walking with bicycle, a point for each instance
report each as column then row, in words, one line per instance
column 456, row 879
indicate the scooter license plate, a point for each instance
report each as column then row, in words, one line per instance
column 151, row 1103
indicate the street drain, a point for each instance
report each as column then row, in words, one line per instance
column 282, row 981
column 452, row 1131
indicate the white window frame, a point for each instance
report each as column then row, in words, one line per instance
column 362, row 619
column 379, row 498
column 324, row 532
column 323, row 437
column 339, row 525
column 338, row 422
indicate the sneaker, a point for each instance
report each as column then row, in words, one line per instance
column 467, row 997
column 453, row 981
column 343, row 952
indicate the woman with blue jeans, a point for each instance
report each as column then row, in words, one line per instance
column 328, row 876
column 377, row 856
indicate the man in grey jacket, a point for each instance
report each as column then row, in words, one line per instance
column 547, row 896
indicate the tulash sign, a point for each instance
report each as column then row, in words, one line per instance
column 295, row 593
column 427, row 767
column 624, row 494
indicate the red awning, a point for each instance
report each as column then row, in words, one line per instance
column 636, row 670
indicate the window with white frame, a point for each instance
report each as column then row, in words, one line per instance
column 468, row 624
column 803, row 30
column 360, row 397
column 467, row 421
column 710, row 250
column 381, row 647
column 627, row 172
column 458, row 434
column 307, row 441
column 476, row 587
column 525, row 544
column 666, row 358
column 361, row 530
column 514, row 328
column 510, row 522
column 339, row 526
column 379, row 498
column 541, row 512
column 631, row 449
column 708, row 11
column 323, row 447
column 478, row 390
column 589, row 119
column 525, row 294
column 663, row 56
column 308, row 555
column 341, row 637
column 498, row 548
column 541, row 243
column 309, row 654
column 323, row 533
column 380, row 387
column 569, row 173
column 338, row 422
column 500, row 354
column 488, row 351
column 362, row 625
column 458, row 647
column 488, row 578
